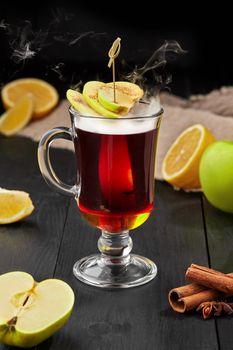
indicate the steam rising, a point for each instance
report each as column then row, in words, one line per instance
column 57, row 68
column 156, row 66
column 83, row 35
column 25, row 43
column 3, row 25
column 59, row 15
column 23, row 53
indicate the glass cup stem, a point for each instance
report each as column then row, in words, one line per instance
column 115, row 248
column 115, row 267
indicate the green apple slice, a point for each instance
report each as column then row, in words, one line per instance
column 30, row 312
column 127, row 94
column 90, row 93
column 78, row 102
column 106, row 99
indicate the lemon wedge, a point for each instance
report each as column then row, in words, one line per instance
column 181, row 164
column 17, row 117
column 14, row 206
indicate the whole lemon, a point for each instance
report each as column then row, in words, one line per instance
column 216, row 175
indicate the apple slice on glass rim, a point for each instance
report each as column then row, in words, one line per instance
column 127, row 94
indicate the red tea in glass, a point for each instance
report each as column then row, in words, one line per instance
column 117, row 174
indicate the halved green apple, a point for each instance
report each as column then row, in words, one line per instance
column 127, row 94
column 30, row 312
column 90, row 93
column 78, row 102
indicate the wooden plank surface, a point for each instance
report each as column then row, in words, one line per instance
column 219, row 229
column 31, row 245
column 49, row 242
column 138, row 318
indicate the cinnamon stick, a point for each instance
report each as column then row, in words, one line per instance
column 210, row 278
column 190, row 296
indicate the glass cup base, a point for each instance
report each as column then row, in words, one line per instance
column 94, row 271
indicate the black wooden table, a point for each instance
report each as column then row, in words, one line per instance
column 183, row 229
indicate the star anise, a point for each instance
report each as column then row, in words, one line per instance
column 216, row 308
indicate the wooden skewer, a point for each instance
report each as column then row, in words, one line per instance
column 112, row 54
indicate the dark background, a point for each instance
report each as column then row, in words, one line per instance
column 53, row 28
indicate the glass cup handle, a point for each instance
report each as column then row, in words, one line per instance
column 45, row 163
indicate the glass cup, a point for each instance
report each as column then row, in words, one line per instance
column 114, row 190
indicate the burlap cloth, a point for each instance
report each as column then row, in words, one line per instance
column 215, row 111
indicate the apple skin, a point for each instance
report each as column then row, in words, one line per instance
column 106, row 102
column 24, row 340
column 47, row 293
column 127, row 94
column 90, row 94
column 216, row 175
column 78, row 102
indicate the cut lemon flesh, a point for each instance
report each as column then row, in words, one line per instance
column 181, row 164
column 17, row 117
column 44, row 94
column 14, row 206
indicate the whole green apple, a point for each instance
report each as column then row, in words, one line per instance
column 216, row 175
